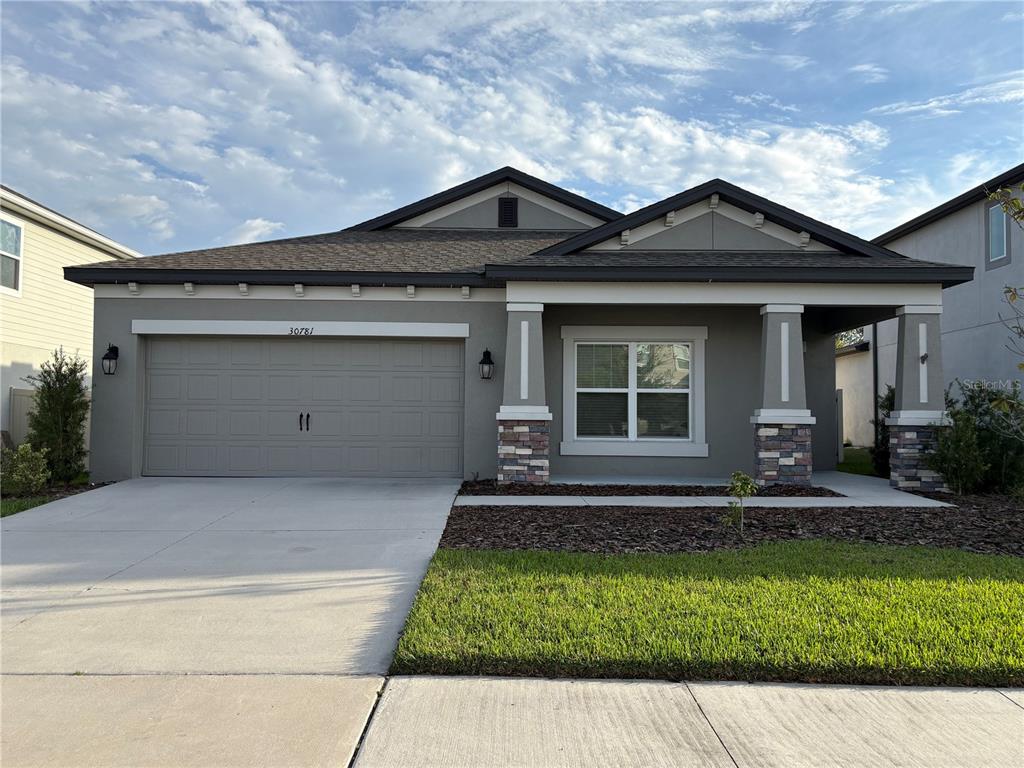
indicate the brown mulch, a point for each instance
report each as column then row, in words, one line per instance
column 981, row 524
column 491, row 488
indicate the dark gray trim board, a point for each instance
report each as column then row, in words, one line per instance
column 1007, row 230
column 98, row 275
column 506, row 174
column 948, row 276
column 980, row 192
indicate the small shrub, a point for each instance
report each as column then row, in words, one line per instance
column 998, row 414
column 741, row 485
column 880, row 450
column 24, row 471
column 958, row 455
column 57, row 422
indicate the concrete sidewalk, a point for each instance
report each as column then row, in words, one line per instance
column 481, row 722
column 857, row 490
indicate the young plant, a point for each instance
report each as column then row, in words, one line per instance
column 57, row 422
column 741, row 486
column 958, row 456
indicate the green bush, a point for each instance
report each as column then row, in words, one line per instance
column 880, row 450
column 57, row 422
column 998, row 415
column 958, row 454
column 24, row 471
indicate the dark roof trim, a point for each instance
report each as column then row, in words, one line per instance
column 731, row 194
column 483, row 182
column 91, row 276
column 980, row 192
column 852, row 349
column 947, row 276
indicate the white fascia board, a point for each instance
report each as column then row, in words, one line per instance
column 311, row 293
column 25, row 207
column 308, row 328
column 723, row 293
column 622, row 447
column 794, row 309
column 524, row 307
column 642, row 232
column 641, row 333
column 500, row 189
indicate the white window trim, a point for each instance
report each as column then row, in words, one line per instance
column 306, row 328
column 20, row 223
column 998, row 260
column 695, row 445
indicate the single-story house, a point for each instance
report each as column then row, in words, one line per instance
column 508, row 328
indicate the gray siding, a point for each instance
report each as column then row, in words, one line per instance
column 485, row 216
column 709, row 232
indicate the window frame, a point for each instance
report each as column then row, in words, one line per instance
column 991, row 263
column 19, row 257
column 632, row 444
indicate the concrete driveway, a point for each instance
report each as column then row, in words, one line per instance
column 280, row 599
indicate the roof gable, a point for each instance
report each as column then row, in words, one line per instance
column 486, row 186
column 776, row 221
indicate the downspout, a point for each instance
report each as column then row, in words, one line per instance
column 874, row 378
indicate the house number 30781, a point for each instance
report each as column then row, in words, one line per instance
column 305, row 331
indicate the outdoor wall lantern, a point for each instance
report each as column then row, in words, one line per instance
column 486, row 365
column 109, row 360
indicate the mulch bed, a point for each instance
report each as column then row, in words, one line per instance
column 992, row 525
column 59, row 492
column 491, row 488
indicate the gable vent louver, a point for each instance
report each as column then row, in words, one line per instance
column 508, row 211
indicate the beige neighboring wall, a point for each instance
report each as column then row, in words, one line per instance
column 47, row 311
column 854, row 377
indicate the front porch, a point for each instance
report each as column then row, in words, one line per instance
column 673, row 381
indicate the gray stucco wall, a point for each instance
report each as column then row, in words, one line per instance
column 973, row 337
column 711, row 231
column 732, row 384
column 485, row 216
column 118, row 399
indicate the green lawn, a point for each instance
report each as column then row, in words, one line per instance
column 857, row 461
column 798, row 611
column 13, row 506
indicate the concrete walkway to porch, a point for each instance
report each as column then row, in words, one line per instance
column 857, row 490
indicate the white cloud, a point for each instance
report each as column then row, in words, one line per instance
column 1010, row 90
column 252, row 230
column 759, row 99
column 871, row 73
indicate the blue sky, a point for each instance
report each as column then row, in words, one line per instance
column 176, row 126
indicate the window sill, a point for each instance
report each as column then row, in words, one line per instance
column 633, row 448
column 996, row 263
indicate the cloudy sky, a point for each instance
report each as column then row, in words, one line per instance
column 175, row 126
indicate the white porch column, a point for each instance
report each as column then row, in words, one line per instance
column 782, row 425
column 524, row 433
column 920, row 400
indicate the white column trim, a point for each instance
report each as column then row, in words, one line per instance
column 298, row 328
column 784, row 372
column 922, row 349
column 919, row 309
column 524, row 360
column 521, row 307
column 778, row 308
column 918, row 419
column 782, row 416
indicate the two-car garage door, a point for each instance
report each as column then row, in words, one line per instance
column 227, row 406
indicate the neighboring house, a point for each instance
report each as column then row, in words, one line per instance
column 692, row 338
column 39, row 310
column 969, row 230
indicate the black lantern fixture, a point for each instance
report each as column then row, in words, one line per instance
column 486, row 365
column 109, row 360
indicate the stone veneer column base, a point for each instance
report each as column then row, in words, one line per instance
column 909, row 447
column 782, row 454
column 523, row 451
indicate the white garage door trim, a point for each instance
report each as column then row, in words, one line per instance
column 299, row 328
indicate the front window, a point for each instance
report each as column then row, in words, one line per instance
column 10, row 255
column 633, row 390
column 997, row 233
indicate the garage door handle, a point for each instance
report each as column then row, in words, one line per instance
column 300, row 422
column 307, row 422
